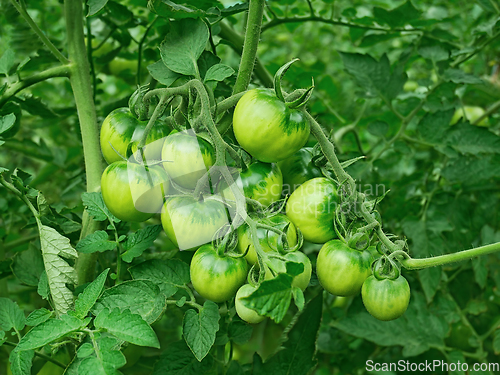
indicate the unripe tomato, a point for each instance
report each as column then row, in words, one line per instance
column 472, row 113
column 189, row 223
column 267, row 128
column 386, row 299
column 133, row 192
column 216, row 277
column 248, row 315
column 121, row 127
column 301, row 280
column 342, row 270
column 297, row 169
column 187, row 158
column 260, row 181
column 312, row 208
column 268, row 239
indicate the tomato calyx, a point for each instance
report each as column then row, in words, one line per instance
column 304, row 95
column 385, row 268
column 138, row 107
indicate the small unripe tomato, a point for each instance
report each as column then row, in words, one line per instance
column 248, row 315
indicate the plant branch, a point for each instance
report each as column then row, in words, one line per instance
column 57, row 71
column 22, row 11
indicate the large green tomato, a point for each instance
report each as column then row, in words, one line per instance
column 342, row 270
column 312, row 208
column 266, row 128
column 216, row 277
column 189, row 223
column 133, row 192
column 268, row 239
column 260, row 181
column 297, row 169
column 248, row 315
column 386, row 299
column 301, row 280
column 120, row 128
column 187, row 158
column 472, row 113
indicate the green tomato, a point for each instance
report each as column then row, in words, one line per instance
column 7, row 109
column 190, row 223
column 472, row 113
column 120, row 128
column 386, row 299
column 187, row 158
column 268, row 239
column 342, row 270
column 248, row 315
column 133, row 192
column 312, row 208
column 260, row 181
column 266, row 128
column 410, row 86
column 301, row 280
column 297, row 169
column 215, row 277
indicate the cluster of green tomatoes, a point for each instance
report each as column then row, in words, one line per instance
column 272, row 134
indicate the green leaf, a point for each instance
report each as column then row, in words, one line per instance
column 272, row 298
column 3, row 338
column 106, row 363
column 189, row 8
column 96, row 207
column 298, row 353
column 38, row 317
column 85, row 350
column 459, row 76
column 11, row 316
column 433, row 126
column 416, row 331
column 95, row 6
column 376, row 77
column 55, row 249
column 49, row 331
column 43, row 288
column 378, row 128
column 218, row 72
column 469, row 139
column 399, row 16
column 7, row 61
column 127, row 326
column 28, row 266
column 169, row 274
column 496, row 342
column 88, row 298
column 183, row 45
column 21, row 361
column 139, row 241
column 472, row 169
column 239, row 332
column 178, row 359
column 139, row 296
column 435, row 52
column 199, row 329
column 95, row 242
column 480, row 267
column 162, row 74
column 7, row 122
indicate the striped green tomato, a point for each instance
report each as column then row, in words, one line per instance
column 248, row 315
column 187, row 158
column 342, row 270
column 268, row 239
column 120, row 128
column 312, row 208
column 267, row 128
column 386, row 299
column 133, row 192
column 190, row 223
column 216, row 277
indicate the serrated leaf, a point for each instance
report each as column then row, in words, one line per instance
column 178, row 359
column 49, row 331
column 21, row 361
column 459, row 76
column 95, row 6
column 239, row 332
column 107, row 362
column 272, row 298
column 399, row 16
column 95, row 242
column 433, row 126
column 11, row 316
column 472, row 169
column 199, row 328
column 139, row 241
column 139, row 296
column 183, row 45
column 7, row 61
column 28, row 266
column 38, row 317
column 469, row 139
column 59, row 273
column 96, row 207
column 127, row 326
column 218, row 72
column 169, row 274
column 91, row 293
column 162, row 74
